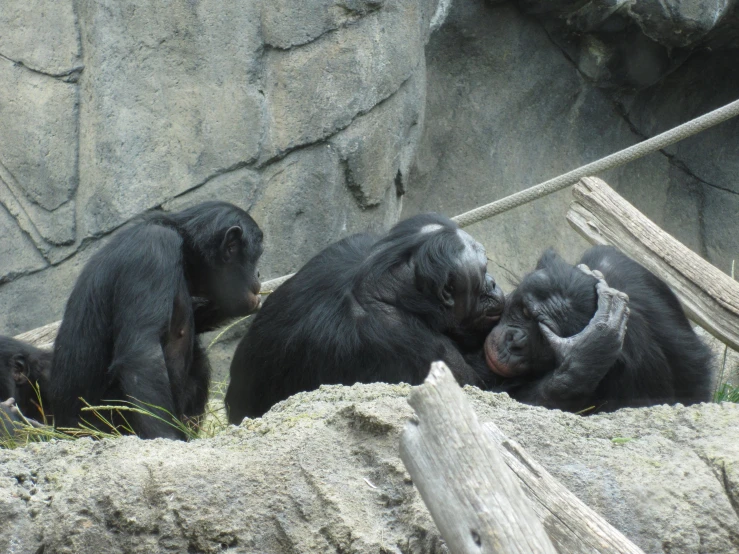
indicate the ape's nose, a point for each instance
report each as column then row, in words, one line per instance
column 515, row 340
column 493, row 296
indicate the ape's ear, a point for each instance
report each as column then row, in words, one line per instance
column 20, row 369
column 446, row 295
column 433, row 280
column 231, row 243
column 548, row 259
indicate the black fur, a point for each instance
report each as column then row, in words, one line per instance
column 662, row 360
column 367, row 310
column 130, row 325
column 23, row 370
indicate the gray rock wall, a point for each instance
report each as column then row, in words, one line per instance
column 321, row 473
column 308, row 114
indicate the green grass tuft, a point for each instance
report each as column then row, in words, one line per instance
column 727, row 393
column 98, row 422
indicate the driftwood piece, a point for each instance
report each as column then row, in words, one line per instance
column 709, row 296
column 572, row 526
column 41, row 337
column 474, row 498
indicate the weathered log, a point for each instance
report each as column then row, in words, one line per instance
column 709, row 296
column 474, row 498
column 572, row 526
column 41, row 337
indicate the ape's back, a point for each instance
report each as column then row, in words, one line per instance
column 663, row 360
column 282, row 352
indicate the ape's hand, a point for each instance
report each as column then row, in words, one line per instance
column 9, row 403
column 17, row 418
column 601, row 341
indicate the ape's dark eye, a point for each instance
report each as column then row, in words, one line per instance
column 526, row 313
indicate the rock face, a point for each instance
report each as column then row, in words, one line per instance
column 321, row 472
column 307, row 114
column 510, row 104
column 616, row 43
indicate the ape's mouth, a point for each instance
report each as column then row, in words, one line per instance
column 489, row 319
column 254, row 302
column 491, row 357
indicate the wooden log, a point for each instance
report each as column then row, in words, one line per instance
column 572, row 526
column 474, row 498
column 41, row 337
column 709, row 296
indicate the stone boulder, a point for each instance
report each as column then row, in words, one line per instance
column 635, row 44
column 320, row 472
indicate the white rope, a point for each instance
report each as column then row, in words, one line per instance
column 558, row 183
column 272, row 284
column 609, row 162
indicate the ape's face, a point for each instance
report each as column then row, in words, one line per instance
column 557, row 295
column 234, row 282
column 451, row 269
column 477, row 300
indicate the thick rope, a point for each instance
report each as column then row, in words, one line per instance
column 609, row 162
column 272, row 284
column 621, row 157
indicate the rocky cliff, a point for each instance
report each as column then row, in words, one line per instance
column 321, row 473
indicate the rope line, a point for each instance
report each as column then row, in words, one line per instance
column 621, row 157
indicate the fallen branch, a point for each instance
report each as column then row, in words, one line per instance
column 484, row 491
column 41, row 337
column 474, row 498
column 572, row 526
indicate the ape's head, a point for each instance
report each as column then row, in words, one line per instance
column 14, row 367
column 23, row 368
column 439, row 272
column 225, row 244
column 555, row 294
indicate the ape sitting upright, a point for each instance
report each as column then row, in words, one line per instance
column 550, row 353
column 368, row 310
column 24, row 369
column 129, row 328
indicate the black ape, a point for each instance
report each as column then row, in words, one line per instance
column 367, row 310
column 130, row 325
column 23, row 367
column 551, row 353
